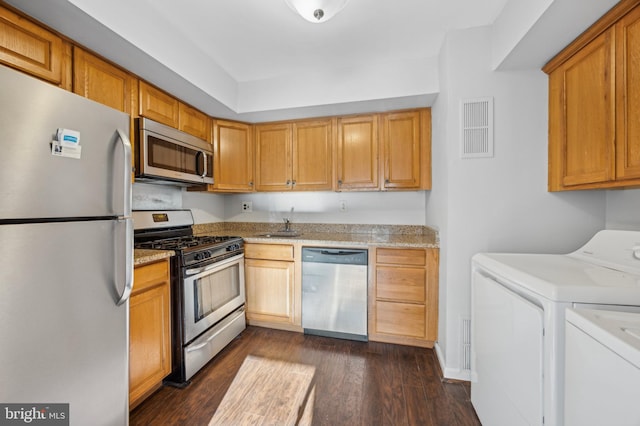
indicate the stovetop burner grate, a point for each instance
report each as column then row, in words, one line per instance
column 181, row 243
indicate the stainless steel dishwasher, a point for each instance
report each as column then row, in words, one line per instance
column 334, row 292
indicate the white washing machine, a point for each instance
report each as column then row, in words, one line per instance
column 602, row 372
column 518, row 322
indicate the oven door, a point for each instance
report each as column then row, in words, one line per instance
column 212, row 292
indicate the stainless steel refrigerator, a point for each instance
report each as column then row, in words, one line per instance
column 65, row 253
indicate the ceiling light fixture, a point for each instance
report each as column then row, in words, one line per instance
column 317, row 11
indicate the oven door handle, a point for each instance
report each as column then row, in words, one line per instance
column 217, row 265
column 197, row 271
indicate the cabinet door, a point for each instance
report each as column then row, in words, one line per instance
column 158, row 105
column 269, row 290
column 401, row 150
column 233, row 156
column 582, row 117
column 28, row 47
column 357, row 153
column 102, row 82
column 628, row 100
column 194, row 122
column 149, row 330
column 312, row 155
column 273, row 157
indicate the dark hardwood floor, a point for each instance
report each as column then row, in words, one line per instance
column 357, row 383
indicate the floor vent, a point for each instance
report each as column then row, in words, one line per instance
column 465, row 358
column 476, row 128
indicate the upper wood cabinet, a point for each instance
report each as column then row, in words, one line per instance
column 312, row 162
column 158, row 105
column 390, row 151
column 102, row 82
column 29, row 47
column 273, row 157
column 627, row 100
column 233, row 157
column 406, row 150
column 194, row 122
column 294, row 156
column 357, row 153
column 594, row 133
column 164, row 108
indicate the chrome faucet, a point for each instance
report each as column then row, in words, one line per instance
column 287, row 224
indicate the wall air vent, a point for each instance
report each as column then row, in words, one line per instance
column 465, row 348
column 476, row 128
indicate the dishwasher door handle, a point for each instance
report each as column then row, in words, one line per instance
column 339, row 252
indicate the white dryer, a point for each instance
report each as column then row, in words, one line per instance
column 518, row 322
column 602, row 372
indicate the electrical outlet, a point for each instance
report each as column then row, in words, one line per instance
column 247, row 207
column 343, row 205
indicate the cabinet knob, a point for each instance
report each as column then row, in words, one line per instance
column 251, row 183
column 288, row 182
column 386, row 181
column 293, row 183
column 339, row 182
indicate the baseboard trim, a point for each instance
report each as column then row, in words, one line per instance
column 451, row 373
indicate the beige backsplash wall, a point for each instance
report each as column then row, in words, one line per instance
column 397, row 208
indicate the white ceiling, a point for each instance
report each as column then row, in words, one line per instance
column 257, row 60
column 263, row 39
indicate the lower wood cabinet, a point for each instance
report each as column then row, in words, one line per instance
column 273, row 299
column 149, row 330
column 403, row 298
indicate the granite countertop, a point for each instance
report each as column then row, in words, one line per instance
column 354, row 235
column 140, row 257
column 311, row 234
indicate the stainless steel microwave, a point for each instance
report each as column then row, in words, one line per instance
column 170, row 156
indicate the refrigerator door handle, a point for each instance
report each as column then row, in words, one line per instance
column 126, row 145
column 128, row 264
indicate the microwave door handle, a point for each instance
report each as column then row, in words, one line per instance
column 204, row 163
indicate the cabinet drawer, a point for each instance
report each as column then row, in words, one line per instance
column 151, row 274
column 268, row 251
column 401, row 319
column 401, row 284
column 392, row 256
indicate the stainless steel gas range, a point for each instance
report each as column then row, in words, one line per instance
column 207, row 287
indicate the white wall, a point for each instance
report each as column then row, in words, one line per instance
column 623, row 209
column 400, row 208
column 206, row 208
column 392, row 208
column 499, row 203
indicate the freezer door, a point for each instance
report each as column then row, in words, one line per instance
column 65, row 338
column 38, row 184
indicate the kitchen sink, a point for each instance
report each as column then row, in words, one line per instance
column 280, row 234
